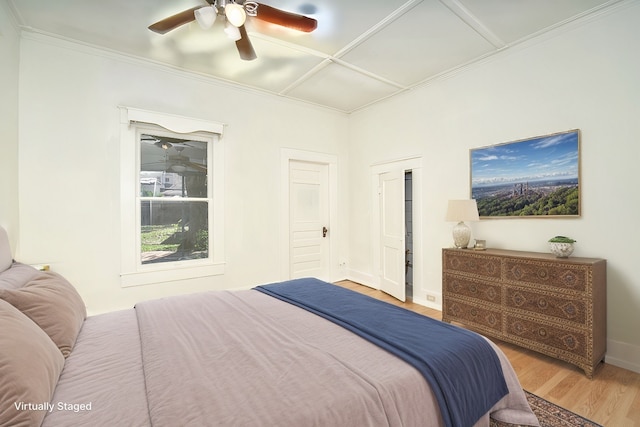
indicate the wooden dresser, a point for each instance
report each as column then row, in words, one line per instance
column 556, row 306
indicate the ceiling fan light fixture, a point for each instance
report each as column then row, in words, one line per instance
column 165, row 145
column 232, row 31
column 205, row 16
column 235, row 14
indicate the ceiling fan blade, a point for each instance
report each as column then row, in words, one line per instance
column 286, row 19
column 197, row 166
column 173, row 22
column 245, row 48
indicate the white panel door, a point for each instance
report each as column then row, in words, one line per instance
column 309, row 232
column 392, row 239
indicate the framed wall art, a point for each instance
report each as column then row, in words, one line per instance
column 534, row 177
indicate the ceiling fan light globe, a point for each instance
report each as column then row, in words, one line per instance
column 232, row 32
column 205, row 16
column 235, row 14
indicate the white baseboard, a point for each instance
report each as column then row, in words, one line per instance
column 365, row 279
column 371, row 282
column 426, row 303
column 623, row 355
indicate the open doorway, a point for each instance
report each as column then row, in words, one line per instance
column 396, row 227
column 408, row 232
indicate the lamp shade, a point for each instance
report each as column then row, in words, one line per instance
column 462, row 210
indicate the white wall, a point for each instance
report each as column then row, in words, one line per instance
column 584, row 77
column 9, row 52
column 69, row 176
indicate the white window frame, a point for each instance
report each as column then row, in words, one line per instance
column 133, row 272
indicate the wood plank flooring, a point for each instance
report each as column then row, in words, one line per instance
column 612, row 398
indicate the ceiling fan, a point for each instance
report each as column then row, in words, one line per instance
column 161, row 160
column 235, row 13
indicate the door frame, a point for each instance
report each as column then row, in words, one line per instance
column 413, row 164
column 286, row 156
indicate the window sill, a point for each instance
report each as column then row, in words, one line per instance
column 141, row 278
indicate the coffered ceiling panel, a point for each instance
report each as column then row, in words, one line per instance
column 424, row 41
column 341, row 88
column 515, row 20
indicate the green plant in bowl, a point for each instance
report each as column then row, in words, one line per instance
column 561, row 239
column 561, row 246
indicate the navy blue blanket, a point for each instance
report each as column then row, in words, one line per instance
column 462, row 369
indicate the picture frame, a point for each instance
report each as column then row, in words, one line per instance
column 533, row 177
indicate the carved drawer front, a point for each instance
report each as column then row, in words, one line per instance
column 472, row 288
column 472, row 263
column 474, row 314
column 554, row 336
column 558, row 275
column 559, row 307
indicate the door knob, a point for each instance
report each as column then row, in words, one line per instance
column 325, row 230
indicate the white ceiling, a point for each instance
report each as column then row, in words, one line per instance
column 362, row 51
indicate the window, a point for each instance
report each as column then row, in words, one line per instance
column 172, row 199
column 174, row 196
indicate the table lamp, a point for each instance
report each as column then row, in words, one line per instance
column 460, row 211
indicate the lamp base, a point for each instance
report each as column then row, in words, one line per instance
column 461, row 235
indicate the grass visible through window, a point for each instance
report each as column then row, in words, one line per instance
column 153, row 238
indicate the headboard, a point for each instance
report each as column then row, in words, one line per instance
column 5, row 251
column 13, row 274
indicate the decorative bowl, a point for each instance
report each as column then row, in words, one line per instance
column 561, row 250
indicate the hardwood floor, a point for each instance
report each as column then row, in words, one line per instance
column 612, row 398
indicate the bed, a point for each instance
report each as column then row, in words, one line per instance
column 283, row 354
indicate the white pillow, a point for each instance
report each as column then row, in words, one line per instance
column 5, row 251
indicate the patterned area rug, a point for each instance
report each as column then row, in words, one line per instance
column 551, row 415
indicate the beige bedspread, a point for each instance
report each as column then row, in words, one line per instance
column 243, row 359
column 246, row 359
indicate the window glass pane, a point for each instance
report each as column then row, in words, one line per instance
column 173, row 230
column 172, row 167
